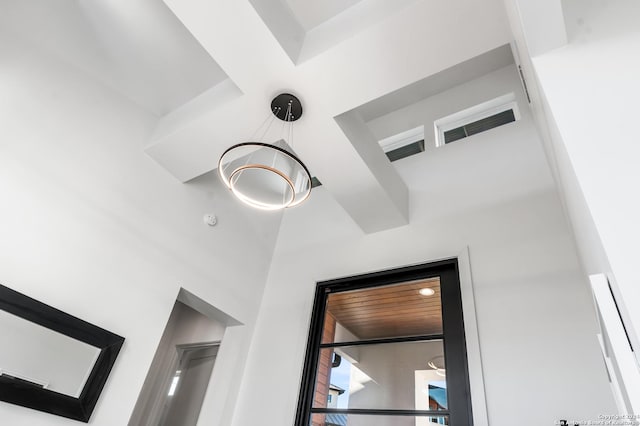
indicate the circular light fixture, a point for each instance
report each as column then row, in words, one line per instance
column 437, row 363
column 268, row 176
column 427, row 291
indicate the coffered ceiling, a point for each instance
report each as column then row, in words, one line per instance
column 409, row 45
column 209, row 69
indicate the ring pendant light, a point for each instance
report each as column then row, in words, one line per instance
column 268, row 176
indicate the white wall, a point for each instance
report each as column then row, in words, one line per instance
column 494, row 193
column 92, row 226
column 590, row 88
column 530, row 20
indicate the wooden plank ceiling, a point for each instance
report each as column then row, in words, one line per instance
column 390, row 311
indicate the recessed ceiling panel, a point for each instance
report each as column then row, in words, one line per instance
column 310, row 13
column 306, row 28
column 139, row 48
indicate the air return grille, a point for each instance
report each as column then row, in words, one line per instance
column 405, row 151
column 476, row 119
column 479, row 126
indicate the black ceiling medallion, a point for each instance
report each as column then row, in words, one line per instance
column 286, row 107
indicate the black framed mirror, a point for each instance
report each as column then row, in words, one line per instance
column 52, row 361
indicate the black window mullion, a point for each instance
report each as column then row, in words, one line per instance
column 393, row 276
column 381, row 412
column 423, row 338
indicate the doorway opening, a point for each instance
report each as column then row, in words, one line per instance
column 191, row 369
column 179, row 375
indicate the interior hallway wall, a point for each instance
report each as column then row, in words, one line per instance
column 92, row 226
column 590, row 88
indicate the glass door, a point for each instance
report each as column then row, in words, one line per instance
column 387, row 349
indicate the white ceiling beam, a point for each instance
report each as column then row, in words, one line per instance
column 390, row 195
column 542, row 23
column 410, row 45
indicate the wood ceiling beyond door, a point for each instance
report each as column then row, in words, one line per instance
column 389, row 311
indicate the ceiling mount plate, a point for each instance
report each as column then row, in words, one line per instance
column 280, row 106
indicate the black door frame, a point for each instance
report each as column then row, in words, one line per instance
column 458, row 388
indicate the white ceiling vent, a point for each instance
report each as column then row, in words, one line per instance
column 477, row 119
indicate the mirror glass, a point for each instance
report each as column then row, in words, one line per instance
column 44, row 357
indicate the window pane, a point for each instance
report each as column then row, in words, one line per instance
column 374, row 420
column 408, row 309
column 407, row 375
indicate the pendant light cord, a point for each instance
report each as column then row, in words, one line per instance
column 290, row 130
column 288, row 119
column 270, row 120
column 269, row 116
column 273, row 117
